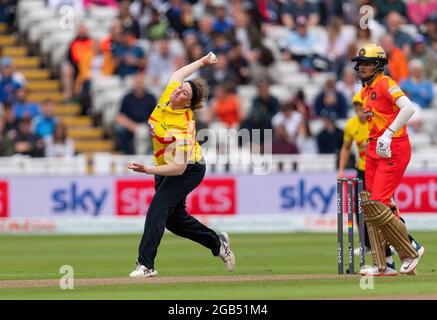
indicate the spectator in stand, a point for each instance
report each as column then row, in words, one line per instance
column 335, row 45
column 419, row 10
column 26, row 142
column 10, row 121
column 264, row 107
column 219, row 73
column 431, row 67
column 348, row 86
column 24, row 108
column 430, row 28
column 99, row 3
column 416, row 87
column 222, row 22
column 292, row 9
column 330, row 139
column 190, row 39
column 92, row 64
column 246, row 33
column 9, row 85
column 402, row 40
column 180, row 16
column 108, row 44
column 6, row 140
column 330, row 9
column 128, row 57
column 161, row 64
column 304, row 47
column 384, row 7
column 220, row 44
column 205, row 32
column 144, row 12
column 127, row 20
column 16, row 76
column 226, row 105
column 70, row 69
column 266, row 12
column 59, row 144
column 195, row 52
column 299, row 104
column 420, row 50
column 43, row 125
column 261, row 60
column 136, row 108
column 289, row 118
column 203, row 8
column 305, row 141
column 282, row 143
column 331, row 102
column 362, row 36
column 239, row 64
column 397, row 61
column 157, row 28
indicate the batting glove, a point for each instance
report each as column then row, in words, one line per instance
column 383, row 144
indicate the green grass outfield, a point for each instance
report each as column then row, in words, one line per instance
column 287, row 266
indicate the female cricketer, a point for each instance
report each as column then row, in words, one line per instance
column 388, row 153
column 179, row 169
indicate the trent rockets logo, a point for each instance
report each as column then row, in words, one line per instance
column 362, row 52
column 368, row 113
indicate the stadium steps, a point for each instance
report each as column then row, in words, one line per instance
column 7, row 40
column 3, row 28
column 67, row 109
column 43, row 85
column 35, row 74
column 88, row 139
column 26, row 62
column 85, row 133
column 15, row 51
column 76, row 121
column 39, row 97
column 89, row 146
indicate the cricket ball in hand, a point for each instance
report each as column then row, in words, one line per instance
column 213, row 58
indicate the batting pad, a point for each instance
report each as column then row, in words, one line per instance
column 392, row 228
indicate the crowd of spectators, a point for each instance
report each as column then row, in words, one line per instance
column 26, row 127
column 235, row 31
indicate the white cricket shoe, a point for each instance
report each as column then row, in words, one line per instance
column 367, row 251
column 225, row 253
column 409, row 264
column 143, row 272
column 374, row 271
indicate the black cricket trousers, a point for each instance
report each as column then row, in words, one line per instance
column 167, row 210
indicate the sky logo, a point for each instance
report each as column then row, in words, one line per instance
column 75, row 201
column 302, row 196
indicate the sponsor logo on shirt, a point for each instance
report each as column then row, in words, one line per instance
column 393, row 90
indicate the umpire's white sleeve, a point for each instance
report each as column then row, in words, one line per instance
column 407, row 110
